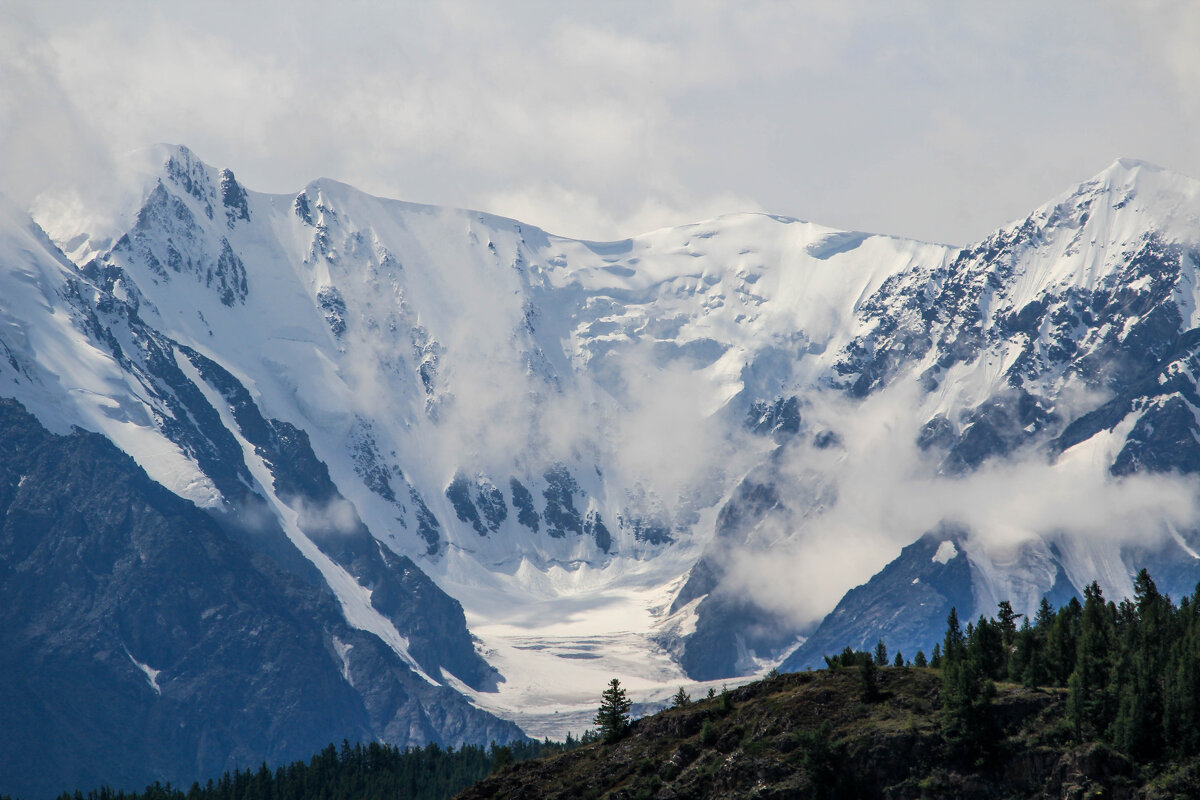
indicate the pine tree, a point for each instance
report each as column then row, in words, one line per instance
column 881, row 654
column 1045, row 616
column 1089, row 695
column 868, row 682
column 919, row 659
column 1007, row 620
column 612, row 718
column 985, row 648
column 680, row 699
column 966, row 697
column 954, row 637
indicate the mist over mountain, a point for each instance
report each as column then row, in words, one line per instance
column 500, row 466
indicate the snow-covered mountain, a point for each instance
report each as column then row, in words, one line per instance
column 664, row 458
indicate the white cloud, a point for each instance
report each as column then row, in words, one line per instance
column 882, row 493
column 934, row 120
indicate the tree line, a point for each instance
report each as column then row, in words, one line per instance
column 1131, row 670
column 352, row 772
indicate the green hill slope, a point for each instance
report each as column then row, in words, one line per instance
column 812, row 734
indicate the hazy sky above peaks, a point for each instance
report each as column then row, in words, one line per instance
column 935, row 120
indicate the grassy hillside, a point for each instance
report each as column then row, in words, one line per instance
column 814, row 734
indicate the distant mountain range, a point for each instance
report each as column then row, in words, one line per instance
column 283, row 469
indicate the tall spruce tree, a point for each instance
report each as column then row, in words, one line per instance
column 1089, row 690
column 966, row 694
column 612, row 718
column 954, row 637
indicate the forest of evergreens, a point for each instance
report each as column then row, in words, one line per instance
column 352, row 772
column 1131, row 670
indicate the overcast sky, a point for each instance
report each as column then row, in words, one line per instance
column 935, row 120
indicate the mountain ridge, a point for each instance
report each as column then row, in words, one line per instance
column 667, row 457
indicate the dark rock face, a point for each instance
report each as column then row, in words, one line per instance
column 459, row 495
column 479, row 503
column 560, row 513
column 594, row 526
column 905, row 604
column 140, row 641
column 234, row 198
column 523, row 501
column 1119, row 336
column 995, row 428
column 731, row 631
column 334, row 308
column 167, row 238
column 432, row 621
column 779, row 419
column 651, row 531
column 1162, row 440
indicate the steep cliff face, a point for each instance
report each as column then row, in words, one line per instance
column 140, row 640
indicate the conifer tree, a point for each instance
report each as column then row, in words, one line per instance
column 966, row 695
column 612, row 718
column 1061, row 642
column 985, row 649
column 1045, row 616
column 868, row 681
column 1089, row 695
column 1006, row 622
column 954, row 637
column 1006, row 618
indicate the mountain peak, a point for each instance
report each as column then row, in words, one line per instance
column 1132, row 164
column 1143, row 178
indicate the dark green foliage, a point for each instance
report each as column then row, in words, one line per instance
column 967, row 689
column 1132, row 671
column 881, row 654
column 501, row 758
column 612, row 718
column 1006, row 619
column 953, row 646
column 1090, row 700
column 821, row 757
column 809, row 735
column 899, row 662
column 848, row 658
column 919, row 660
column 986, row 649
column 868, row 680
column 681, row 699
column 352, row 772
